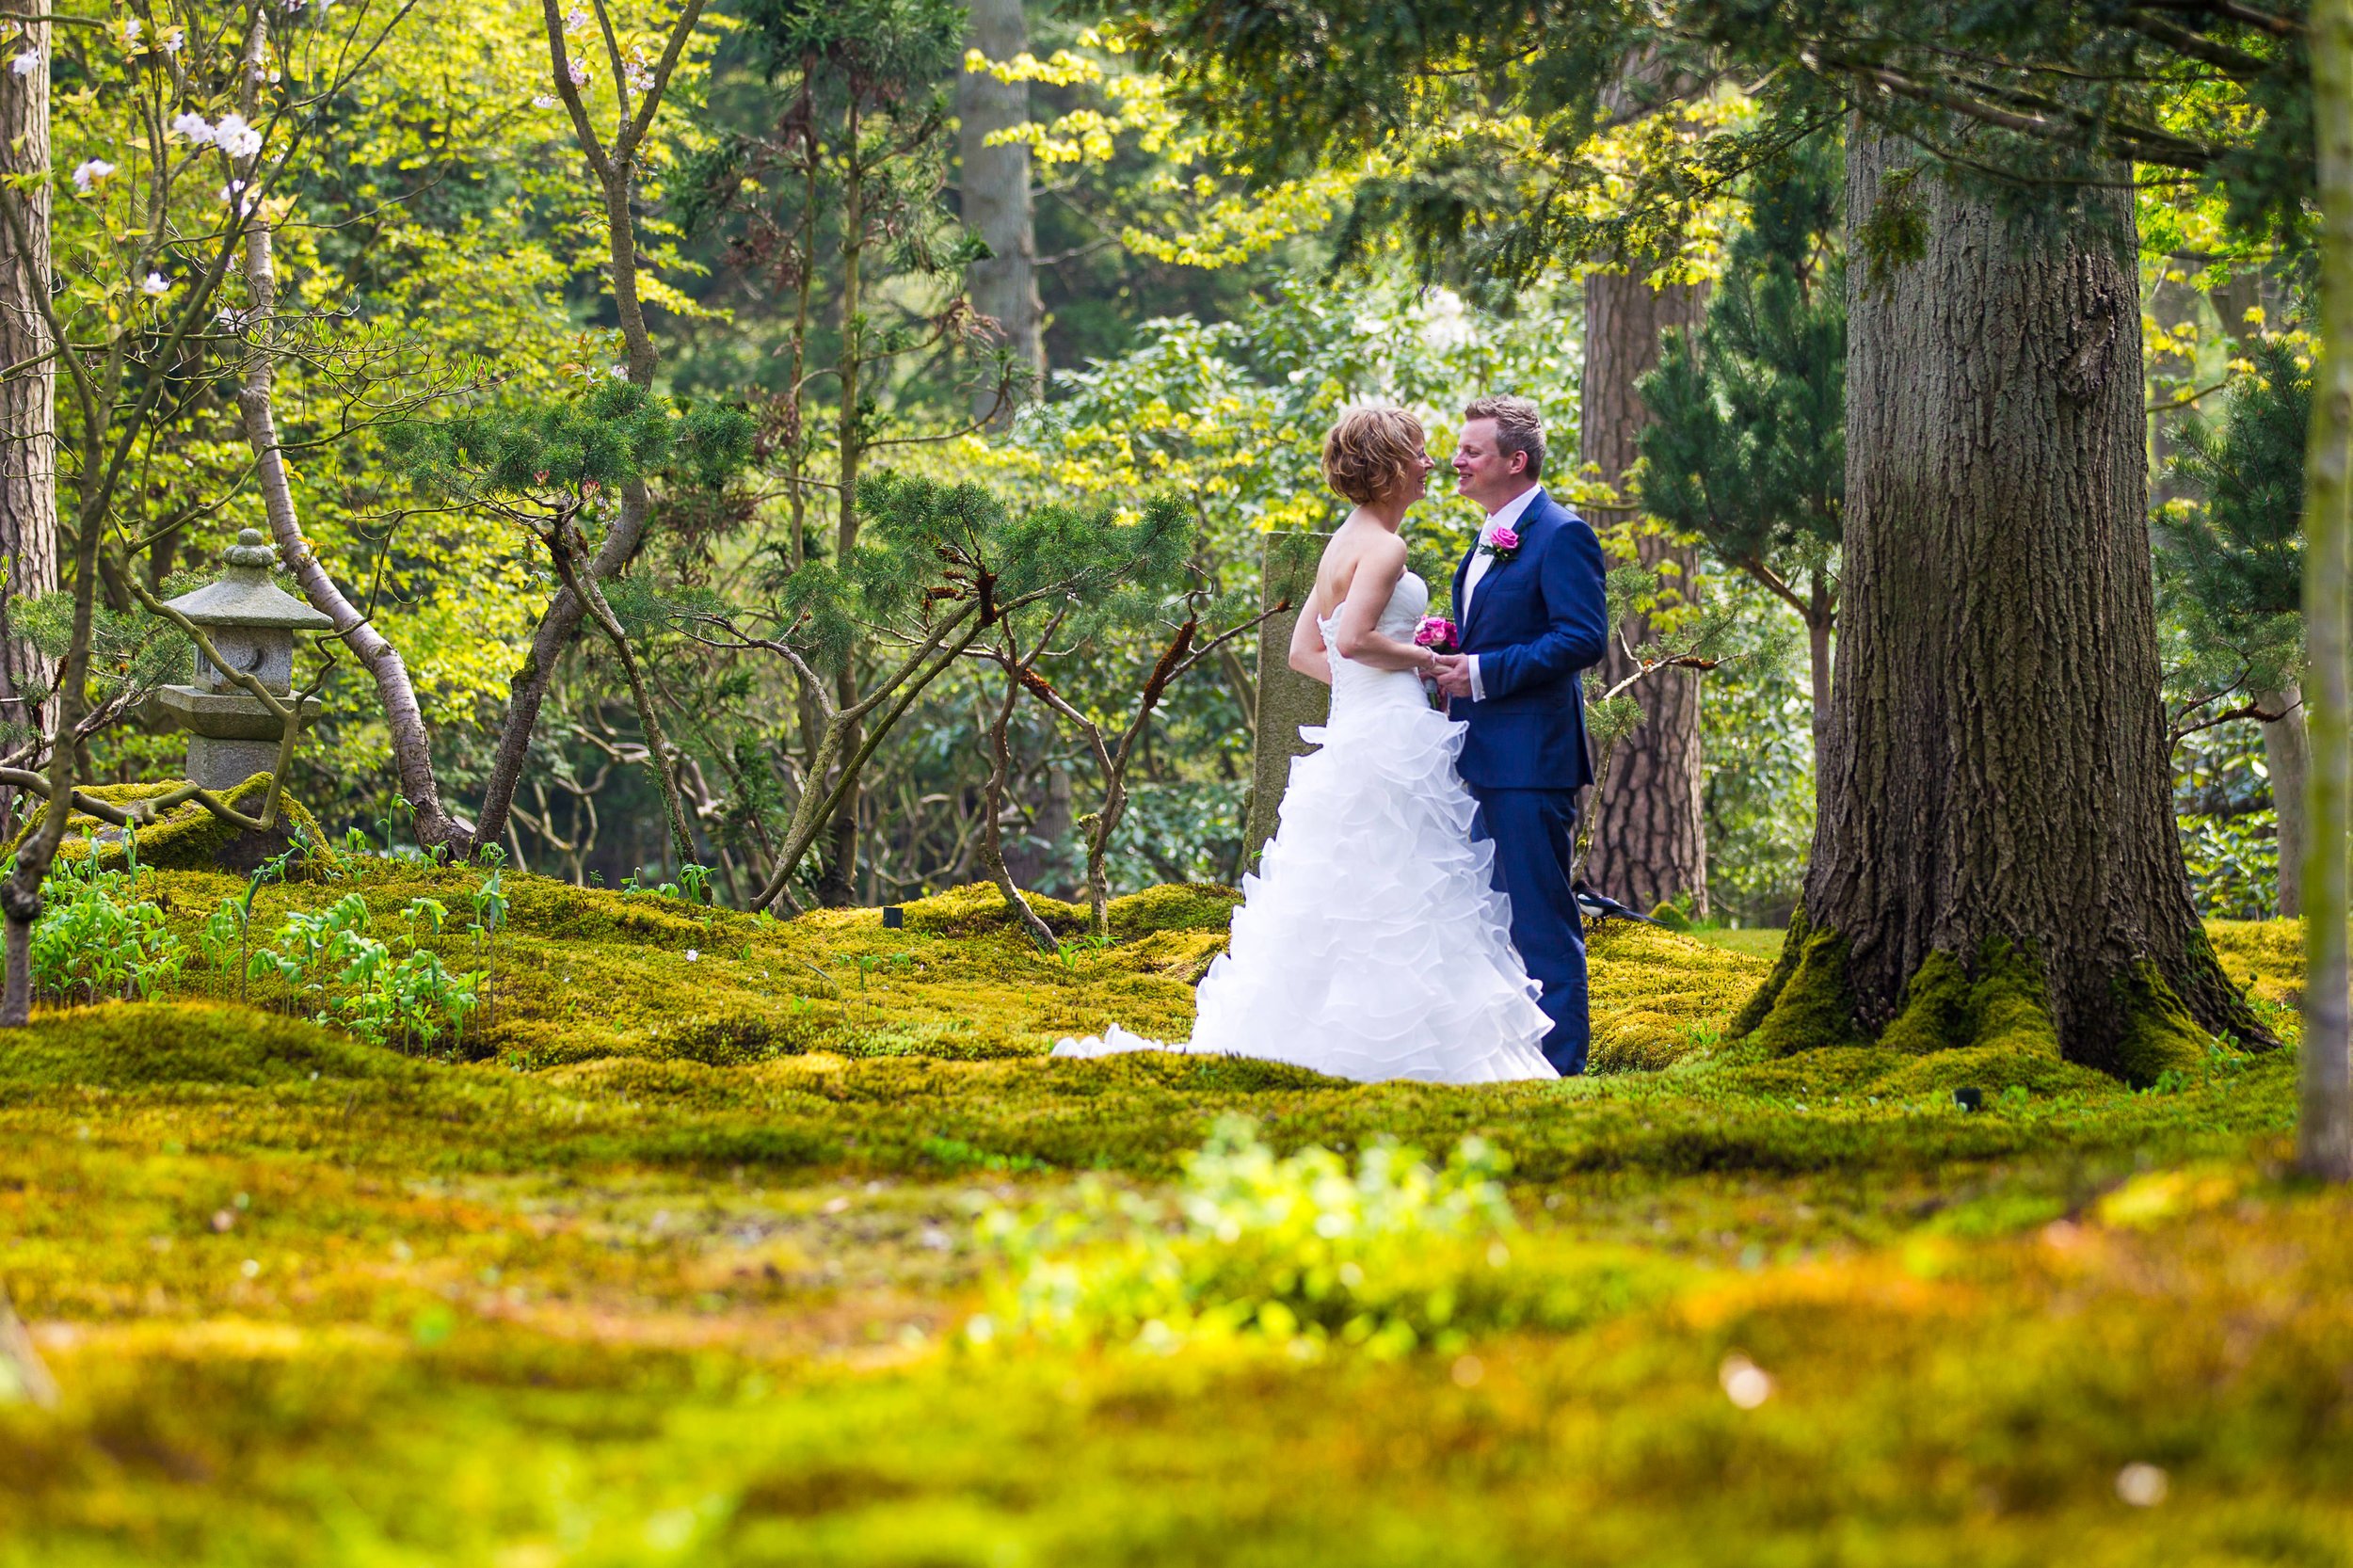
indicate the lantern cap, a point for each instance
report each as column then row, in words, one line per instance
column 244, row 596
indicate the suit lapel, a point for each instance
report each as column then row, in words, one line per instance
column 1487, row 584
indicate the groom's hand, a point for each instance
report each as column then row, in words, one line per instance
column 1454, row 675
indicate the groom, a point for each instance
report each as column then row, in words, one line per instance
column 1530, row 605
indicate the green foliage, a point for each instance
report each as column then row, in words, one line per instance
column 1747, row 446
column 2234, row 863
column 328, row 959
column 132, row 652
column 2231, row 553
column 878, row 52
column 96, row 937
column 2209, row 98
column 574, row 446
column 1298, row 1250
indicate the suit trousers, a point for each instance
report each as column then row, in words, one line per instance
column 1534, row 834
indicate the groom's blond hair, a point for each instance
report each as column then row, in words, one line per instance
column 1371, row 452
column 1519, row 427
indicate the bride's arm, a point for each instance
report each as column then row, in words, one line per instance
column 1356, row 633
column 1308, row 655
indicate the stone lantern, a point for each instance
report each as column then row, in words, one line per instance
column 252, row 621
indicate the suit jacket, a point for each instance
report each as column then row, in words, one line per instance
column 1537, row 621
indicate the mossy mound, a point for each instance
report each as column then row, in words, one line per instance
column 1805, row 1004
column 2000, row 1007
column 978, row 906
column 2264, row 958
column 188, row 837
column 138, row 1045
column 2158, row 1034
column 1173, row 906
column 1658, row 997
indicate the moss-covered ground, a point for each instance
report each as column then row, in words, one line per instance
column 680, row 1267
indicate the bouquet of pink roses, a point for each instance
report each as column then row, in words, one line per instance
column 1436, row 632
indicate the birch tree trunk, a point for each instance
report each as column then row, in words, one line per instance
column 2287, row 757
column 994, row 182
column 28, row 446
column 1649, row 830
column 2325, row 1131
column 1995, row 770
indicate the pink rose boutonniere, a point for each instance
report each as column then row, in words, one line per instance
column 1437, row 632
column 1502, row 544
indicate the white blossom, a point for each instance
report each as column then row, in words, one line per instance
column 234, row 137
column 639, row 78
column 174, row 42
column 26, row 63
column 193, row 126
column 545, row 101
column 692, row 955
column 235, row 193
column 618, row 372
column 90, row 172
column 577, row 22
column 578, row 74
column 155, row 286
column 128, row 30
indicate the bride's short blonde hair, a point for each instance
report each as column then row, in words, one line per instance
column 1371, row 452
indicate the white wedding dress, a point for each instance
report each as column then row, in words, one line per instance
column 1372, row 944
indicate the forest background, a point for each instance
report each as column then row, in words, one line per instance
column 905, row 238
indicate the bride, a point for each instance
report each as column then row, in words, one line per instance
column 1372, row 944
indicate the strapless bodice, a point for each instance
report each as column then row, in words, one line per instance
column 1351, row 682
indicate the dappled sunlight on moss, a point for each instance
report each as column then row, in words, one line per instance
column 693, row 1255
column 1659, row 995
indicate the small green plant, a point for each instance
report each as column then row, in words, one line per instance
column 1299, row 1248
column 697, row 881
column 96, row 937
column 232, row 923
column 489, row 913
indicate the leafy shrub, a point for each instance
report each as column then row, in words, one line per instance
column 96, row 937
column 1300, row 1251
column 328, row 958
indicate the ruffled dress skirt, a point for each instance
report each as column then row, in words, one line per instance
column 1372, row 943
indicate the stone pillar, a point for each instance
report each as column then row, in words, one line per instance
column 1287, row 699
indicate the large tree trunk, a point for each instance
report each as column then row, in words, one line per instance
column 28, row 447
column 2287, row 757
column 1995, row 790
column 1649, row 833
column 2325, row 1125
column 994, row 182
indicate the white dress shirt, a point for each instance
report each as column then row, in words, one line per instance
column 1506, row 516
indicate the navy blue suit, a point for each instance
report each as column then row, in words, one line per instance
column 1537, row 621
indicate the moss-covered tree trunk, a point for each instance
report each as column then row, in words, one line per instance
column 1995, row 764
column 1649, row 837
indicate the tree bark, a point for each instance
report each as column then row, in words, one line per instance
column 413, row 750
column 2287, row 757
column 1996, row 765
column 2325, row 1125
column 1649, row 829
column 994, row 184
column 29, row 445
